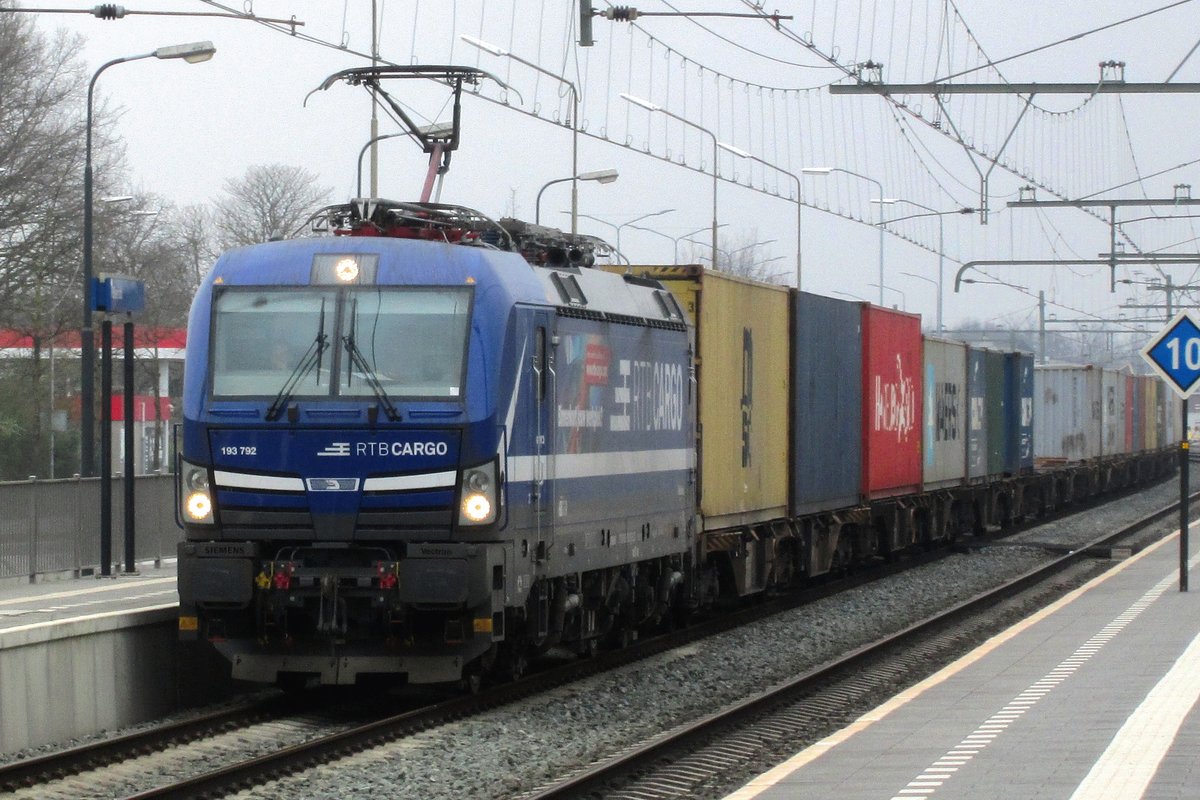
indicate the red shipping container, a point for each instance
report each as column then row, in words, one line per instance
column 892, row 402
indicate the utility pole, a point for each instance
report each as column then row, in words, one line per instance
column 1182, row 198
column 1111, row 81
column 1042, row 326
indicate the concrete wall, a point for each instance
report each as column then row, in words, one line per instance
column 64, row 679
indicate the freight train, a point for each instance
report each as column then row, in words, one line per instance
column 428, row 446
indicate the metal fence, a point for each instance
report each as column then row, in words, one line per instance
column 54, row 526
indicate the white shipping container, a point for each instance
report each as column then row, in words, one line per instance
column 1068, row 419
column 1112, row 411
column 945, row 379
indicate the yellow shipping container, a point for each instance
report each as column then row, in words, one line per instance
column 742, row 369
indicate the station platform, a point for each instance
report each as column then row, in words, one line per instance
column 82, row 655
column 1092, row 698
column 26, row 607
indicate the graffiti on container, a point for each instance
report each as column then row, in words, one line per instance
column 896, row 403
column 947, row 412
column 747, row 392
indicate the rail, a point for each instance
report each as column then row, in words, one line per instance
column 53, row 526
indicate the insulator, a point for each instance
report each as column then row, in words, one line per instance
column 108, row 11
column 621, row 13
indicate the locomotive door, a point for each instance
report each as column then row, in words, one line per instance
column 543, row 394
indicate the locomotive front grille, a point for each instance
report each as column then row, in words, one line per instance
column 409, row 518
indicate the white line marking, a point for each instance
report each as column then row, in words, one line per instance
column 774, row 776
column 1128, row 764
column 119, row 585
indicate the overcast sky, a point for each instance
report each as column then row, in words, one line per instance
column 189, row 128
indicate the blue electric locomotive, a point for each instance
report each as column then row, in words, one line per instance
column 428, row 445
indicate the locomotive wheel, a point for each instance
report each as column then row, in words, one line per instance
column 472, row 681
column 513, row 664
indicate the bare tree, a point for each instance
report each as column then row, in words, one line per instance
column 42, row 85
column 269, row 201
column 193, row 225
column 747, row 257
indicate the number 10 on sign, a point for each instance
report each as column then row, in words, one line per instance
column 1174, row 353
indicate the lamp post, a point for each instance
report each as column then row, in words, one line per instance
column 192, row 53
column 626, row 225
column 932, row 212
column 363, row 152
column 731, row 253
column 936, row 286
column 826, row 171
column 599, row 176
column 646, row 104
column 903, row 297
column 488, row 47
column 675, row 240
column 737, row 151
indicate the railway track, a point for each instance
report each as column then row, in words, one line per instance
column 696, row 756
column 313, row 736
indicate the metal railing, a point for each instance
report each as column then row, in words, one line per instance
column 53, row 526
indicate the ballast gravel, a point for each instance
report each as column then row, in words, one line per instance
column 515, row 749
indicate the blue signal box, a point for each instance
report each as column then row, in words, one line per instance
column 118, row 294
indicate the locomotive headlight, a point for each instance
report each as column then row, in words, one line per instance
column 346, row 269
column 478, row 506
column 196, row 496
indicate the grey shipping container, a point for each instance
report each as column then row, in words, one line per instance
column 826, row 402
column 1172, row 415
column 1068, row 422
column 945, row 451
column 1112, row 412
column 977, row 435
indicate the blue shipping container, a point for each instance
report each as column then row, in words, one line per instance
column 826, row 402
column 1018, row 413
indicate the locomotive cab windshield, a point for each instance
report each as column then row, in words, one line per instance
column 410, row 340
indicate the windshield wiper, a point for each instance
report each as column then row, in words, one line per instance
column 357, row 361
column 312, row 358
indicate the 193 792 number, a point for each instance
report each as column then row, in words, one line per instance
column 239, row 450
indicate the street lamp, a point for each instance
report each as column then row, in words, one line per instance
column 599, row 176
column 193, row 53
column 828, row 170
column 936, row 286
column 626, row 225
column 903, row 298
column 488, row 47
column 941, row 241
column 646, row 104
column 731, row 253
column 675, row 240
column 737, row 151
column 363, row 152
